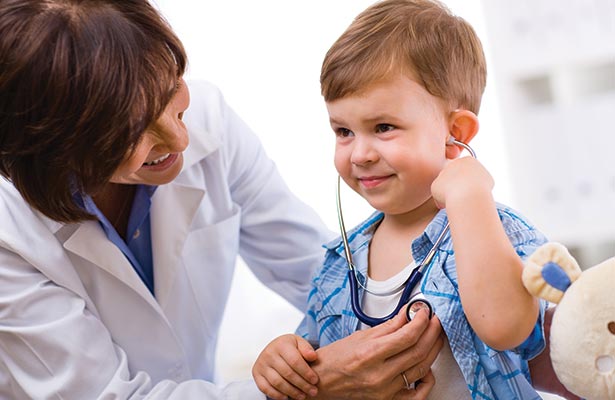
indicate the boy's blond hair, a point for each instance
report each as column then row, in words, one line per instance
column 421, row 39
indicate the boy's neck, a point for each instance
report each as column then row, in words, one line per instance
column 414, row 221
column 391, row 246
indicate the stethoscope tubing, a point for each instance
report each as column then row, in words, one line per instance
column 415, row 276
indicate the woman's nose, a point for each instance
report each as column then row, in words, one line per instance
column 170, row 131
column 170, row 134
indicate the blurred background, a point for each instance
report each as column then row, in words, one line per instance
column 546, row 120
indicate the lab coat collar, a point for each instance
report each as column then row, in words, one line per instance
column 201, row 145
column 169, row 232
column 202, row 141
column 41, row 231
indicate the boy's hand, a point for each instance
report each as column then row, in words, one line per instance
column 282, row 371
column 460, row 180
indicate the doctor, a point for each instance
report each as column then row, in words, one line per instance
column 123, row 211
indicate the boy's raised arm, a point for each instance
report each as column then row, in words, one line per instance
column 497, row 305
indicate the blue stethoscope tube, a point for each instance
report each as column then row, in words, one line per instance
column 415, row 276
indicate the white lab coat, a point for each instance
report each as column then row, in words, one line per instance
column 76, row 322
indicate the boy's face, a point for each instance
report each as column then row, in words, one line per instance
column 390, row 143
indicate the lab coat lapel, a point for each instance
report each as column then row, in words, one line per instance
column 173, row 208
column 90, row 242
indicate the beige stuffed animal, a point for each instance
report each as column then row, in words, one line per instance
column 583, row 327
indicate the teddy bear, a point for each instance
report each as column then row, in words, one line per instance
column 583, row 327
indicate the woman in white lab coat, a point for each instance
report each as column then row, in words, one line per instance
column 123, row 212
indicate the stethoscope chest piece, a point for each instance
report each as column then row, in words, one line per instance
column 415, row 306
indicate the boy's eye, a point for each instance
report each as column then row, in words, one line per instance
column 343, row 132
column 380, row 128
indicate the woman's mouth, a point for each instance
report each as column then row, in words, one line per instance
column 157, row 161
column 161, row 163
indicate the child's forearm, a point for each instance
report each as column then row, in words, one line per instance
column 496, row 304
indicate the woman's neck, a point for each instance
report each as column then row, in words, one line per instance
column 115, row 202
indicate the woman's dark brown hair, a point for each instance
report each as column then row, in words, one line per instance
column 80, row 81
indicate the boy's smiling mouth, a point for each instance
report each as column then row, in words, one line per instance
column 372, row 181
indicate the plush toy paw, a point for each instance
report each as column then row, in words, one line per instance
column 583, row 327
column 550, row 271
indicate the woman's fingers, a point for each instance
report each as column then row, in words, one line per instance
column 418, row 391
column 416, row 360
column 419, row 370
column 424, row 387
column 405, row 336
column 389, row 327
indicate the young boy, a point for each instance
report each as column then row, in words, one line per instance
column 403, row 82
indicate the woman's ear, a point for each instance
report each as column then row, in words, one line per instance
column 463, row 126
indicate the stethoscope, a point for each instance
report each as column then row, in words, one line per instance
column 415, row 277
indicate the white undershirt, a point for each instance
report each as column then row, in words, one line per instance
column 449, row 380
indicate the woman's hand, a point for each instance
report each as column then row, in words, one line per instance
column 368, row 364
column 420, row 390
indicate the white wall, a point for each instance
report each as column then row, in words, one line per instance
column 266, row 56
column 555, row 66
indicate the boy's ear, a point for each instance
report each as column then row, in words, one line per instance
column 463, row 126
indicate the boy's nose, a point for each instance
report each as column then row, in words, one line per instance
column 363, row 152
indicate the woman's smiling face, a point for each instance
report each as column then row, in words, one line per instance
column 157, row 158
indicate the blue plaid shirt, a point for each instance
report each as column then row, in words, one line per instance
column 489, row 374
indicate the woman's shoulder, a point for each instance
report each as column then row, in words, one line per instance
column 20, row 222
column 13, row 208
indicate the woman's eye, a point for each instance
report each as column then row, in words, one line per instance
column 343, row 132
column 380, row 128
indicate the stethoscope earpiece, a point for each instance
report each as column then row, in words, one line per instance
column 452, row 141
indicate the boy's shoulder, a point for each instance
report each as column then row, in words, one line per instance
column 519, row 229
column 513, row 217
column 335, row 263
column 358, row 233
